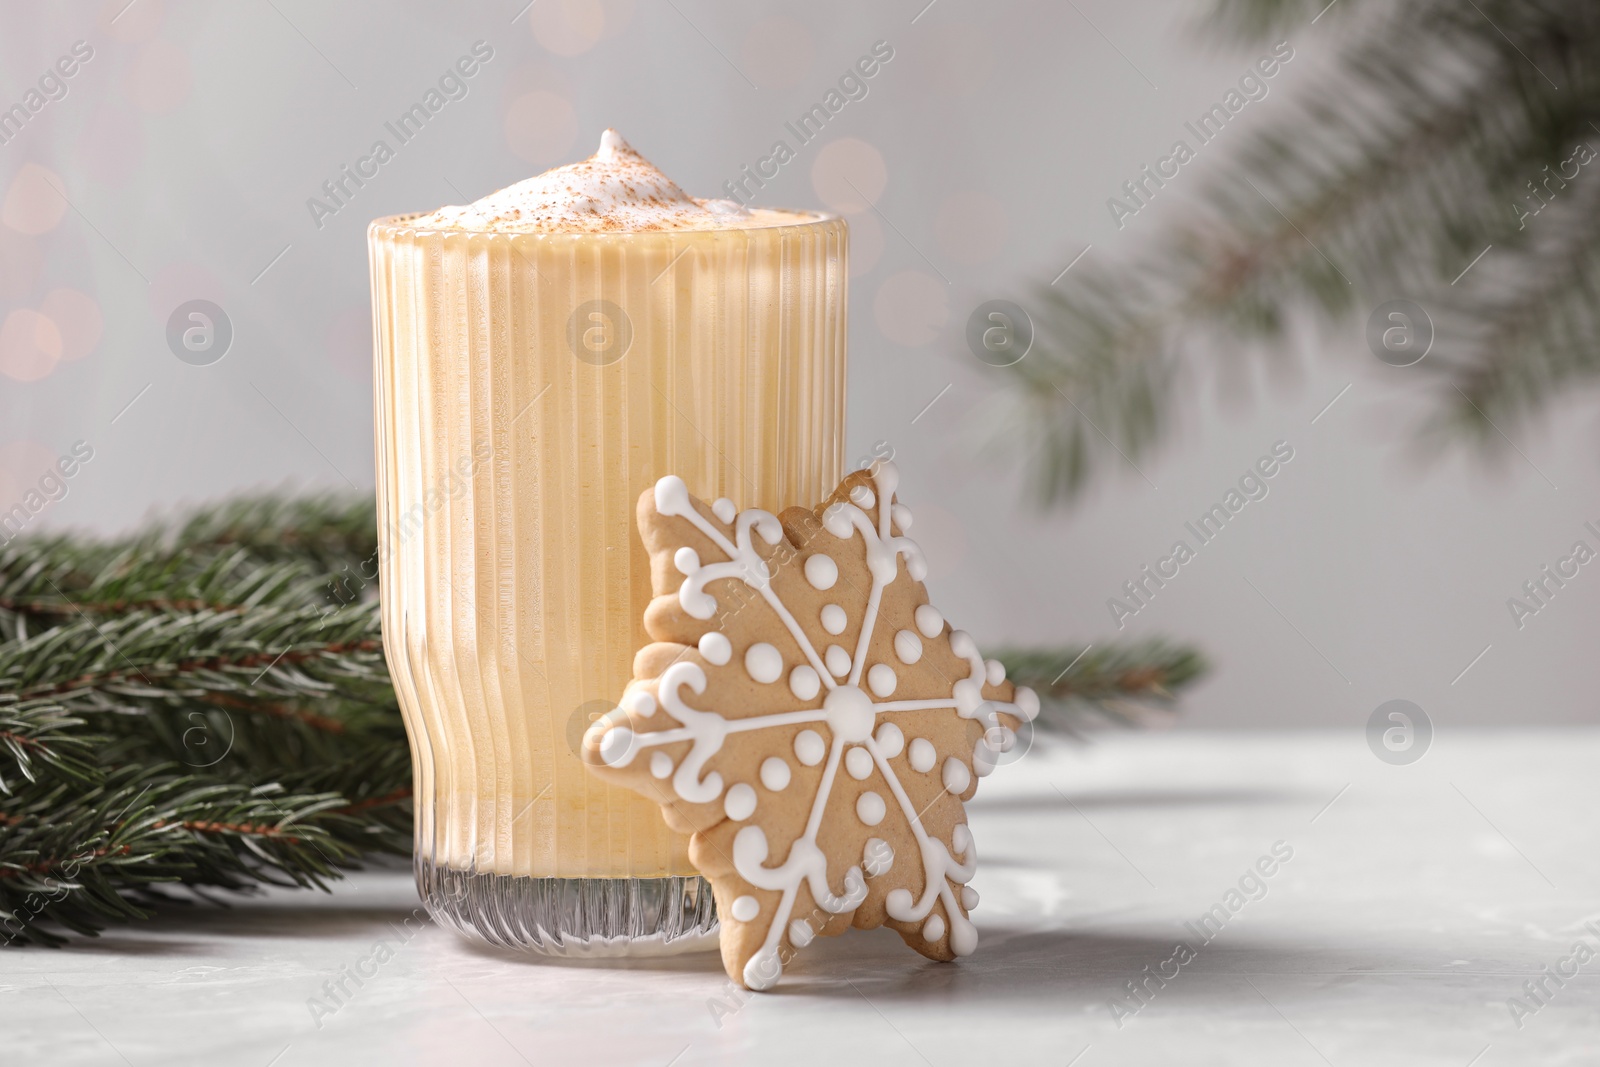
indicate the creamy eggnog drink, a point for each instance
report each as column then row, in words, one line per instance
column 543, row 356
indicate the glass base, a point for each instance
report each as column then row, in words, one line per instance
column 574, row 917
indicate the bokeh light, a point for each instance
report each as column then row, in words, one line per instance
column 32, row 204
column 849, row 175
column 30, row 345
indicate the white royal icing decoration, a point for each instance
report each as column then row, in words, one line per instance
column 969, row 897
column 890, row 740
column 716, row 648
column 763, row 662
column 848, row 713
column 804, row 682
column 774, row 773
column 617, row 747
column 956, row 776
column 877, row 857
column 821, row 571
column 809, row 748
column 740, row 803
column 996, row 671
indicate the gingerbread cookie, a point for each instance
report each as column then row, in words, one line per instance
column 811, row 720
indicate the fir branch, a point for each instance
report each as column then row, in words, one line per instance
column 152, row 826
column 39, row 738
column 330, row 530
column 1407, row 162
column 1123, row 682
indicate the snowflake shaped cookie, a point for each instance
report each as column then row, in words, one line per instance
column 811, row 720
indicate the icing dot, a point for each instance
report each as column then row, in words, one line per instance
column 837, row 660
column 774, row 773
column 862, row 497
column 640, row 702
column 661, row 765
column 746, row 907
column 763, row 663
column 804, row 682
column 986, row 752
column 956, row 775
column 821, row 572
column 890, row 740
column 858, row 761
column 834, row 619
column 961, row 839
column 969, row 897
column 809, row 747
column 1027, row 702
column 716, row 648
column 763, row 970
column 686, row 559
column 740, row 803
column 616, row 748
column 877, row 857
column 725, row 509
column 901, row 515
column 881, row 680
column 996, row 671
column 907, row 646
column 932, row 930
column 923, row 755
column 870, row 808
column 964, row 939
column 800, row 933
column 929, row 622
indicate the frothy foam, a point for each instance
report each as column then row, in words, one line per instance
column 616, row 190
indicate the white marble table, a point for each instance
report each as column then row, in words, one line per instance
column 1417, row 901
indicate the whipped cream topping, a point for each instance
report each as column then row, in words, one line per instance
column 616, row 190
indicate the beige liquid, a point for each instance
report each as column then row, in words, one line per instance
column 514, row 436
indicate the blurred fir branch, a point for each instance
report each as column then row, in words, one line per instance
column 206, row 706
column 1442, row 129
column 1126, row 683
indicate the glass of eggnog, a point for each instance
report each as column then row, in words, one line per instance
column 542, row 357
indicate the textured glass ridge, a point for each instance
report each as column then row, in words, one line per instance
column 580, row 917
column 509, row 465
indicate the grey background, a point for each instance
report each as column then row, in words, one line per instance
column 188, row 146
